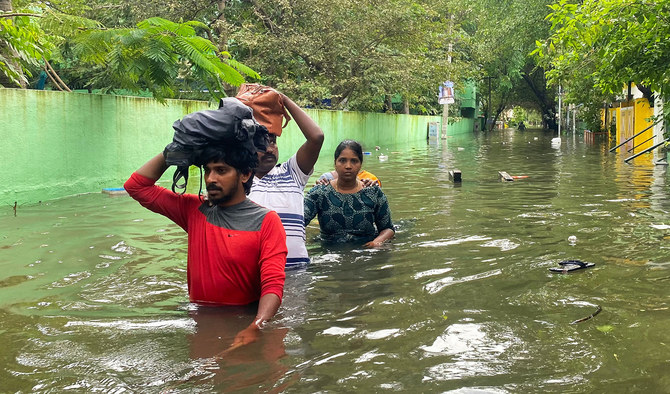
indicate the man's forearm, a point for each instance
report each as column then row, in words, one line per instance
column 267, row 308
column 154, row 168
column 308, row 153
column 309, row 128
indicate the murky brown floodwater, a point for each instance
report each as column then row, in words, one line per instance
column 93, row 288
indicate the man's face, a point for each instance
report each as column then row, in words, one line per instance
column 223, row 182
column 268, row 159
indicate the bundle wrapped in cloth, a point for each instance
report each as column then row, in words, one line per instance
column 267, row 104
column 231, row 124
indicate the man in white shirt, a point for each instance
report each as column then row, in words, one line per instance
column 280, row 187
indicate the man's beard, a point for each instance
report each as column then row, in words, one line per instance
column 225, row 197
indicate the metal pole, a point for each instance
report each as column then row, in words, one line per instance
column 559, row 110
column 445, row 120
column 626, row 160
column 489, row 104
column 445, row 109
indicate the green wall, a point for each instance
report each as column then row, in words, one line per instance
column 463, row 126
column 56, row 144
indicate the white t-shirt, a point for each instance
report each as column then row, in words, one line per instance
column 282, row 190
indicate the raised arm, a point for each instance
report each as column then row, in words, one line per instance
column 154, row 168
column 309, row 151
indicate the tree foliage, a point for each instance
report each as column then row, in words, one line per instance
column 350, row 54
column 157, row 55
column 597, row 47
column 618, row 40
column 353, row 53
column 499, row 37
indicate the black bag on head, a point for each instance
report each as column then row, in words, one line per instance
column 231, row 124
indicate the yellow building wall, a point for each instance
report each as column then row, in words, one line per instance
column 614, row 115
column 643, row 119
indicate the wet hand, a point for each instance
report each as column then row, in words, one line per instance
column 373, row 244
column 369, row 182
column 322, row 181
column 247, row 336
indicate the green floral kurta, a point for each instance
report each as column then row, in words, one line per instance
column 357, row 217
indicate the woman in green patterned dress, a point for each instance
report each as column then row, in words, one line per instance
column 347, row 211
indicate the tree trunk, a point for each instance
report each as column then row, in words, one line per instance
column 388, row 103
column 406, row 107
column 220, row 26
column 6, row 6
column 495, row 117
column 646, row 93
column 547, row 104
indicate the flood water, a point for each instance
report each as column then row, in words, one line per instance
column 93, row 288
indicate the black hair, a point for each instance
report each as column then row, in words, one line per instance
column 351, row 144
column 240, row 159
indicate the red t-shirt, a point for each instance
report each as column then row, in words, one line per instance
column 236, row 254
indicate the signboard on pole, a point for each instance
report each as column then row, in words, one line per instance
column 446, row 95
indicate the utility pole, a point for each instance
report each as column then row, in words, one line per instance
column 488, row 104
column 445, row 108
column 445, row 120
column 556, row 142
column 560, row 97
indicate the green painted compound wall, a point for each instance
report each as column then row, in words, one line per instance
column 56, row 144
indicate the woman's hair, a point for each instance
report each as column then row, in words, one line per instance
column 351, row 144
column 240, row 159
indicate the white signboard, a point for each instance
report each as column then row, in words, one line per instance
column 446, row 95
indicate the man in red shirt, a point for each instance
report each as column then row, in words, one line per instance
column 236, row 248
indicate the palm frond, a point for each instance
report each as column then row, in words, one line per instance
column 185, row 30
column 202, row 45
column 191, row 53
column 197, row 24
column 228, row 73
column 59, row 24
column 158, row 22
column 243, row 68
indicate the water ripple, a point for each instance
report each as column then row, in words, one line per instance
column 438, row 285
column 127, row 325
column 381, row 334
column 338, row 331
column 447, row 242
column 503, row 244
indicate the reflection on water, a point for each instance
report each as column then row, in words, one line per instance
column 93, row 289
